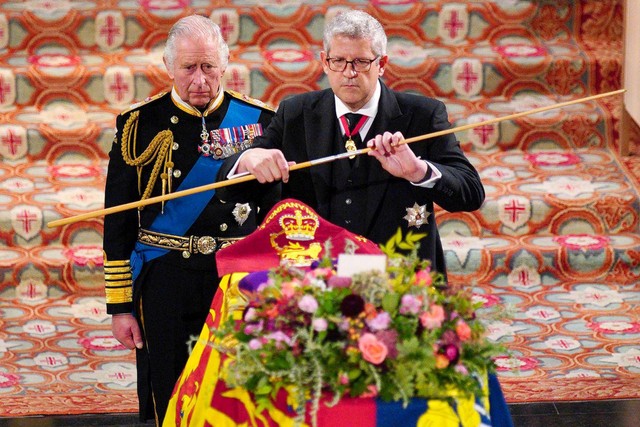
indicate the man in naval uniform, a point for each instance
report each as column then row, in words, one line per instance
column 160, row 268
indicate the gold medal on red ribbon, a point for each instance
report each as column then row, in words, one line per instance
column 350, row 130
column 350, row 146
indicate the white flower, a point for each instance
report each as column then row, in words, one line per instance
column 320, row 324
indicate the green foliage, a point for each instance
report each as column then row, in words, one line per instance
column 398, row 334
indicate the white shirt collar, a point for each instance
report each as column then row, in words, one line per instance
column 369, row 109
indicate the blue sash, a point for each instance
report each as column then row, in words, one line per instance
column 180, row 213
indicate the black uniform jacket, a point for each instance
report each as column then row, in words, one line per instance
column 360, row 195
column 124, row 185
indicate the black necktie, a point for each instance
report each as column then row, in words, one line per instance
column 353, row 119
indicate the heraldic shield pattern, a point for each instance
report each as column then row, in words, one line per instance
column 557, row 241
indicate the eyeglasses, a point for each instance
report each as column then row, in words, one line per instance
column 358, row 64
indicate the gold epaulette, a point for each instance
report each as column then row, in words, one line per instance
column 249, row 100
column 118, row 283
column 141, row 103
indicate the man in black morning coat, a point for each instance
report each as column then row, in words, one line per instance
column 395, row 185
column 391, row 187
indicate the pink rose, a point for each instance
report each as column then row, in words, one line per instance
column 344, row 379
column 423, row 277
column 372, row 391
column 322, row 272
column 389, row 338
column 433, row 318
column 289, row 288
column 372, row 349
column 463, row 330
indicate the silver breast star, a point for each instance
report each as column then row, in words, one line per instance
column 417, row 215
column 241, row 212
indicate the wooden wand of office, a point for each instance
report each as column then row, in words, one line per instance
column 303, row 165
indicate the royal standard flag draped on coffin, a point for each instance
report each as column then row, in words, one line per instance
column 202, row 398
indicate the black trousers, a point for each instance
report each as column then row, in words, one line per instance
column 173, row 303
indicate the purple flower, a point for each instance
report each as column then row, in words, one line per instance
column 461, row 369
column 308, row 304
column 339, row 282
column 255, row 344
column 410, row 304
column 344, row 325
column 252, row 328
column 279, row 337
column 449, row 337
column 380, row 322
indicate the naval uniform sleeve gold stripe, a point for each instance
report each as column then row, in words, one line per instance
column 119, row 295
column 116, row 270
column 118, row 283
column 116, row 263
column 117, row 277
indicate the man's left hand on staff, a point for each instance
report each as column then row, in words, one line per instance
column 397, row 158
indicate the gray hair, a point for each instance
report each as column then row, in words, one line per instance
column 356, row 24
column 193, row 27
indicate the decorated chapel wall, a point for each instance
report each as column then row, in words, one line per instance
column 632, row 59
column 68, row 68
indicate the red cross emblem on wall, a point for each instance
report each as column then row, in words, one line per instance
column 110, row 31
column 483, row 136
column 118, row 85
column 7, row 88
column 453, row 23
column 236, row 78
column 514, row 212
column 13, row 142
column 467, row 76
column 229, row 23
column 26, row 221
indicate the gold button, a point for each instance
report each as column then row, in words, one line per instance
column 223, row 227
column 174, row 119
column 176, row 173
column 186, row 254
column 175, row 146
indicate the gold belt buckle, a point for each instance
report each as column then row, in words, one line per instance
column 206, row 245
